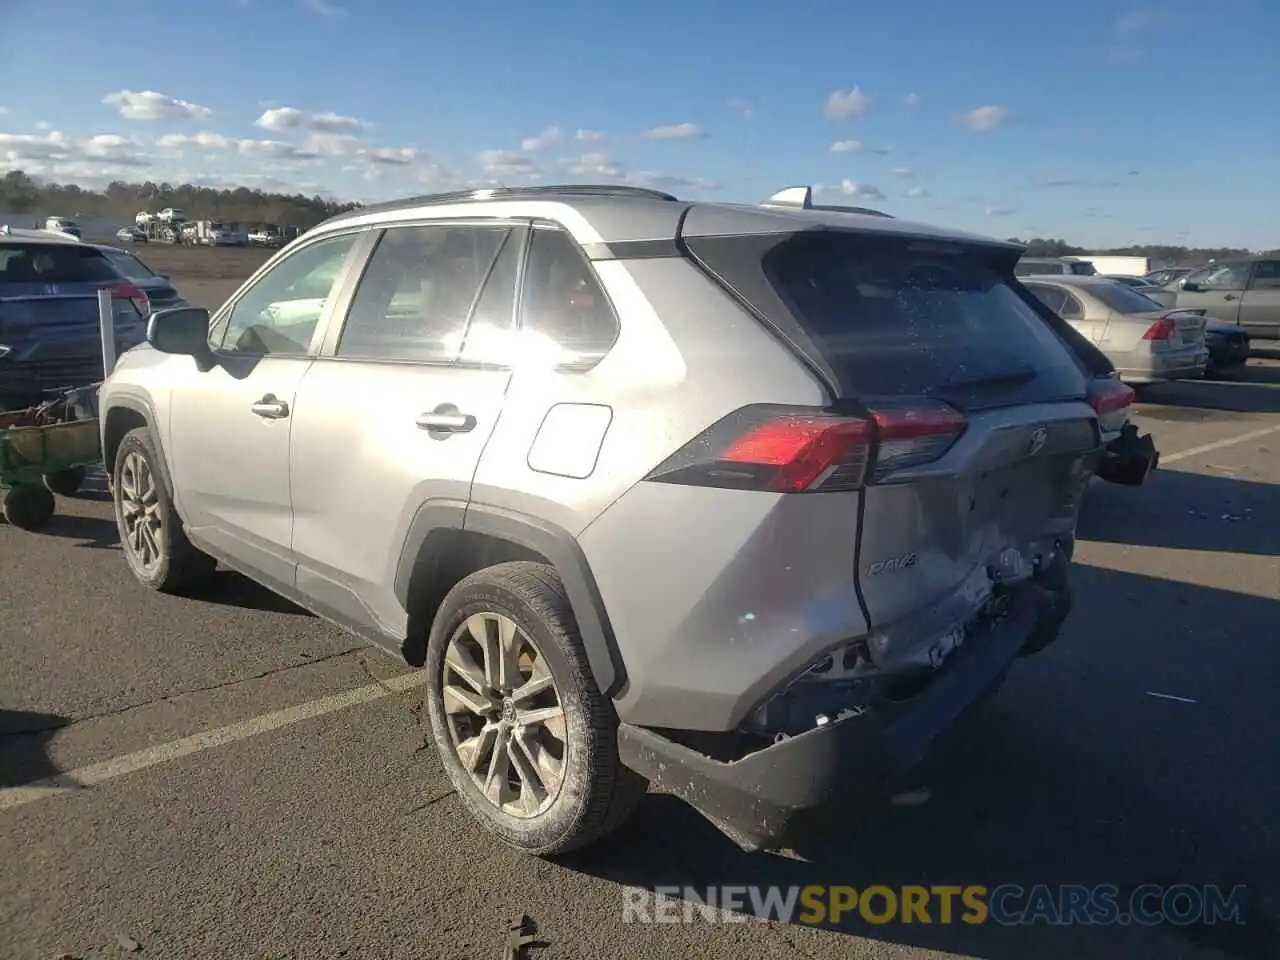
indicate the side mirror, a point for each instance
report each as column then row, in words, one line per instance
column 1188, row 285
column 181, row 330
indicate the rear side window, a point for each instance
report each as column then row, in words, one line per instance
column 1122, row 299
column 1081, row 269
column 896, row 317
column 563, row 302
column 53, row 263
column 1266, row 275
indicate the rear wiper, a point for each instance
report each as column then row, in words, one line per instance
column 1021, row 374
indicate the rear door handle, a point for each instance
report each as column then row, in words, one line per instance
column 269, row 408
column 446, row 421
column 1230, row 296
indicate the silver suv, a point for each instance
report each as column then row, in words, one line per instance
column 748, row 502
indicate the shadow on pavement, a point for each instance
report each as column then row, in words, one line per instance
column 95, row 533
column 1185, row 511
column 1072, row 774
column 230, row 589
column 1253, row 389
column 24, row 739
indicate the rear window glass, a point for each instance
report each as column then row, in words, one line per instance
column 900, row 317
column 1123, row 299
column 1083, row 269
column 53, row 263
column 131, row 267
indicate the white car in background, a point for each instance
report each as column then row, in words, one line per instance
column 171, row 215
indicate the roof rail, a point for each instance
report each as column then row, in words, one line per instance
column 546, row 191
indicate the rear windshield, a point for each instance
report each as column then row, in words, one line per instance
column 130, row 266
column 1032, row 268
column 1123, row 299
column 896, row 317
column 53, row 263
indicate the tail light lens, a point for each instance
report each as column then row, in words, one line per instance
column 1162, row 329
column 1111, row 400
column 800, row 450
column 135, row 295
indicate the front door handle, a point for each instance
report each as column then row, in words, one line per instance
column 269, row 408
column 446, row 419
column 1230, row 296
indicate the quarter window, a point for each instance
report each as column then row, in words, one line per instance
column 563, row 303
column 416, row 295
column 277, row 316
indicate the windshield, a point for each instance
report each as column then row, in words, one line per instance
column 1123, row 299
column 53, row 263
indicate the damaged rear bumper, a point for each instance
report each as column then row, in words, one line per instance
column 1128, row 459
column 799, row 786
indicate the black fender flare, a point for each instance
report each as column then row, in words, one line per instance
column 535, row 535
column 144, row 409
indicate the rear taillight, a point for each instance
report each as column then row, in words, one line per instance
column 135, row 295
column 1111, row 400
column 800, row 450
column 1162, row 329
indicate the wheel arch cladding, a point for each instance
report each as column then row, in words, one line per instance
column 448, row 540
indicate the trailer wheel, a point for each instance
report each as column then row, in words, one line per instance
column 66, row 483
column 28, row 506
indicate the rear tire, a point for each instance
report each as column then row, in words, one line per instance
column 28, row 506
column 66, row 483
column 155, row 546
column 549, row 797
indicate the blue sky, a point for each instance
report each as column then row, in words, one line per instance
column 1101, row 122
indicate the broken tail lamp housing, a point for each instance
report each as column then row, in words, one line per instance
column 805, row 450
column 835, row 686
column 1111, row 401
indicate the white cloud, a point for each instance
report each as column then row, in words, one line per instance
column 675, row 131
column 864, row 191
column 393, row 156
column 589, row 136
column 546, row 138
column 150, row 105
column 206, row 139
column 903, row 172
column 43, row 125
column 500, row 163
column 54, row 155
column 322, row 8
column 843, row 104
column 742, row 108
column 273, row 149
column 917, row 192
column 334, row 144
column 3, row 111
column 911, row 100
column 1136, row 21
column 1001, row 211
column 286, row 119
column 595, row 165
column 984, row 118
column 847, row 146
column 1056, row 182
column 666, row 181
column 24, row 146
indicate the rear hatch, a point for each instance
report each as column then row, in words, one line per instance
column 979, row 438
column 49, row 325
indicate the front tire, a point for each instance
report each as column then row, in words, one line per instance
column 527, row 739
column 156, row 547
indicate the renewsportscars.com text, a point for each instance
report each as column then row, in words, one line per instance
column 1007, row 904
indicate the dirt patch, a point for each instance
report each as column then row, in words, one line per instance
column 206, row 276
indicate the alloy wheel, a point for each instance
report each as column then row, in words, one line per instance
column 506, row 721
column 140, row 512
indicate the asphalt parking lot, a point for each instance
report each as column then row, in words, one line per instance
column 229, row 776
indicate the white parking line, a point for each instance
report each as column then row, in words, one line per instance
column 1218, row 444
column 98, row 773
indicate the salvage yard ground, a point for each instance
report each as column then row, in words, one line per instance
column 230, row 777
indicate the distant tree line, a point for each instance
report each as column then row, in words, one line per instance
column 20, row 193
column 1190, row 256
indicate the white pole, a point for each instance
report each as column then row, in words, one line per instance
column 107, row 327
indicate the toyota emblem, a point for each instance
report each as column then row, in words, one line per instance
column 1039, row 436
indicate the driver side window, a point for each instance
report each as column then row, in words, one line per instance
column 1221, row 276
column 278, row 315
